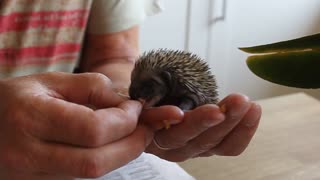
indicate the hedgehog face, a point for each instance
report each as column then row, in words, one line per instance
column 148, row 87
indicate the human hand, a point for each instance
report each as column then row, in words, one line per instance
column 45, row 131
column 206, row 131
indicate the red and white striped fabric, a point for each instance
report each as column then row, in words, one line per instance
column 46, row 35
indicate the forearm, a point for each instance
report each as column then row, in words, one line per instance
column 112, row 54
column 118, row 70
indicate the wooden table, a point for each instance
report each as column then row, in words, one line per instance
column 285, row 147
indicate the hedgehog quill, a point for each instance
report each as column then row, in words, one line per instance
column 172, row 77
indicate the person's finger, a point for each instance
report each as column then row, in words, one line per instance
column 92, row 162
column 158, row 116
column 237, row 141
column 195, row 122
column 236, row 106
column 85, row 88
column 75, row 124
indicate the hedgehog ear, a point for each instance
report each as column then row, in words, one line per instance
column 167, row 77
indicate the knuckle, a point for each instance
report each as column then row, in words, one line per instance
column 94, row 134
column 207, row 154
column 130, row 120
column 101, row 85
column 231, row 152
column 170, row 143
column 91, row 167
column 178, row 158
column 234, row 153
column 100, row 78
column 206, row 146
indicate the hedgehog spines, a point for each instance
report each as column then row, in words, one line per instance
column 190, row 70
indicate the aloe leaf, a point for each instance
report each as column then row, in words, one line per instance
column 299, row 69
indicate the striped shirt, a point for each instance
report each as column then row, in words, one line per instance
column 46, row 35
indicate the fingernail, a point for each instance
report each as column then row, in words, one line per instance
column 210, row 123
column 174, row 121
column 220, row 117
column 246, row 98
column 123, row 95
column 253, row 121
column 166, row 124
column 136, row 109
column 223, row 108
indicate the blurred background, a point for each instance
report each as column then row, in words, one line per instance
column 214, row 29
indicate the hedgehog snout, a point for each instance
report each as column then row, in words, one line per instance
column 136, row 93
column 133, row 93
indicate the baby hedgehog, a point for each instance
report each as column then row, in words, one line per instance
column 169, row 77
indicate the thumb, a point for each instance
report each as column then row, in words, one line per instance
column 86, row 88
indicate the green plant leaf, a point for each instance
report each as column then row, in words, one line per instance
column 299, row 69
column 307, row 42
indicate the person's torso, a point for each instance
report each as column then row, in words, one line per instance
column 41, row 35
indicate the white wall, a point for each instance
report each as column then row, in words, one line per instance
column 247, row 23
column 167, row 29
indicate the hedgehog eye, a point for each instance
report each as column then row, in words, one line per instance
column 147, row 88
column 158, row 81
column 149, row 84
column 155, row 82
